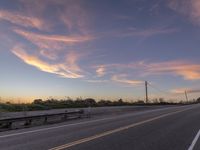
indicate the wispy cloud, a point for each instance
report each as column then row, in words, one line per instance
column 145, row 33
column 178, row 91
column 75, row 17
column 39, row 39
column 21, row 20
column 193, row 91
column 122, row 78
column 51, row 45
column 48, row 53
column 71, row 60
column 189, row 8
column 187, row 70
column 97, row 81
column 101, row 71
column 182, row 90
column 66, row 70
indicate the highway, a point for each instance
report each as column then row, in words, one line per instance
column 167, row 128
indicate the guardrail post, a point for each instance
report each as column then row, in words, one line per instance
column 80, row 113
column 8, row 124
column 89, row 112
column 45, row 119
column 28, row 122
column 65, row 115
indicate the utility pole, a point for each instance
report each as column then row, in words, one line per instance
column 146, row 91
column 0, row 106
column 186, row 96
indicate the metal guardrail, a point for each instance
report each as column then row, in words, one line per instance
column 7, row 123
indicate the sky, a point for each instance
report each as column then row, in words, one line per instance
column 99, row 48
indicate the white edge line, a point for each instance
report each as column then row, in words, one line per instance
column 194, row 141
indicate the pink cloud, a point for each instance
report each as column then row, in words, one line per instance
column 182, row 90
column 51, row 46
column 65, row 70
column 71, row 14
column 189, row 8
column 72, row 58
column 75, row 17
column 21, row 20
column 50, row 54
column 184, row 69
column 39, row 38
column 187, row 70
column 122, row 78
column 100, row 71
column 97, row 81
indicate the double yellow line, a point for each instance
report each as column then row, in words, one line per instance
column 65, row 146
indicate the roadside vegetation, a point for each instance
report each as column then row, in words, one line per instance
column 51, row 103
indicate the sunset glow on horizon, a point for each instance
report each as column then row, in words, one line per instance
column 99, row 49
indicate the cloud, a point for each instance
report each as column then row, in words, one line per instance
column 75, row 17
column 43, row 41
column 193, row 91
column 71, row 60
column 50, row 46
column 182, row 91
column 21, row 20
column 122, row 78
column 65, row 70
column 50, row 54
column 72, row 15
column 178, row 91
column 145, row 33
column 97, row 81
column 100, row 71
column 189, row 8
column 148, row 32
column 187, row 70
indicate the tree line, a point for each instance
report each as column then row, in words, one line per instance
column 53, row 103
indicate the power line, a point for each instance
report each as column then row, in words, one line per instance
column 158, row 89
column 155, row 88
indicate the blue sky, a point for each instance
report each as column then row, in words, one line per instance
column 101, row 49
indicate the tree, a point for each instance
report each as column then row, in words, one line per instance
column 198, row 100
column 161, row 100
column 37, row 101
column 104, row 103
column 90, row 102
column 140, row 102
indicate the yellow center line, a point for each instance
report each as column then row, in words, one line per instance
column 113, row 131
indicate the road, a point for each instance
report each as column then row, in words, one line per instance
column 94, row 111
column 170, row 128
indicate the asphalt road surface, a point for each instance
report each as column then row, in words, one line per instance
column 170, row 128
